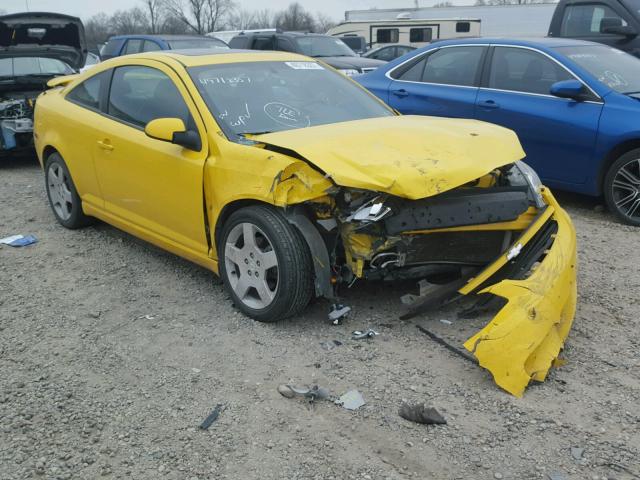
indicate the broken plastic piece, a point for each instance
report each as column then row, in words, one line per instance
column 338, row 312
column 19, row 240
column 213, row 416
column 312, row 393
column 361, row 335
column 421, row 414
column 352, row 400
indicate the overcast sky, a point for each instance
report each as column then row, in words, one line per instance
column 86, row 8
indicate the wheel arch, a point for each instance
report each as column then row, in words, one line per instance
column 297, row 217
column 615, row 153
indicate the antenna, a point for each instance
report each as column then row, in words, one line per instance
column 417, row 3
column 26, row 3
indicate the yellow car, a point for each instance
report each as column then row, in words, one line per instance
column 289, row 180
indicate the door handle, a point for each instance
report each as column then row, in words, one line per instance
column 400, row 93
column 105, row 144
column 489, row 105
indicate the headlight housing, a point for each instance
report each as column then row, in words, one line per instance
column 535, row 184
column 349, row 72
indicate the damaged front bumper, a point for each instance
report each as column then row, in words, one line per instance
column 523, row 341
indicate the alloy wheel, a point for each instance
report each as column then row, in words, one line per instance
column 251, row 265
column 59, row 191
column 626, row 189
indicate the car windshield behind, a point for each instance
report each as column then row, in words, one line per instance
column 260, row 97
column 317, row 46
column 187, row 43
column 23, row 66
column 615, row 68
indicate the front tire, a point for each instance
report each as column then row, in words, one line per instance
column 63, row 196
column 265, row 264
column 622, row 188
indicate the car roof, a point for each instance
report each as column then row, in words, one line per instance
column 538, row 42
column 162, row 37
column 198, row 57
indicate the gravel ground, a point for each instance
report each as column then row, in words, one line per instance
column 112, row 352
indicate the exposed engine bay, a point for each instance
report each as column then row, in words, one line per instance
column 16, row 120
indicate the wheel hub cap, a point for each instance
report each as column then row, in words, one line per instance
column 626, row 189
column 59, row 191
column 251, row 265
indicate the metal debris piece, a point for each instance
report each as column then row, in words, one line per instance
column 352, row 400
column 446, row 322
column 421, row 414
column 448, row 346
column 338, row 312
column 213, row 416
column 432, row 296
column 330, row 345
column 361, row 335
column 312, row 393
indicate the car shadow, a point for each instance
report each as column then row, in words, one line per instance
column 18, row 162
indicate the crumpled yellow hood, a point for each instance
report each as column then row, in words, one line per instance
column 407, row 156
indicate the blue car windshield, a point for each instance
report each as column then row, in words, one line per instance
column 260, row 97
column 616, row 69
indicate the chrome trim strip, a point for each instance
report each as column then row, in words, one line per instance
column 575, row 76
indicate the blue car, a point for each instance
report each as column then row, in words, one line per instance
column 575, row 105
column 128, row 44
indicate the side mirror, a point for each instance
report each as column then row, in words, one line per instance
column 614, row 26
column 173, row 130
column 572, row 89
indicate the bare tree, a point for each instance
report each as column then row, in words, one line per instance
column 154, row 10
column 324, row 23
column 295, row 18
column 241, row 20
column 264, row 19
column 130, row 21
column 201, row 16
column 98, row 28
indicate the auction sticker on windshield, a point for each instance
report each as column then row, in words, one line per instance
column 304, row 65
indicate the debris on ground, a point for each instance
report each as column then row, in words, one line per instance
column 338, row 313
column 446, row 322
column 19, row 240
column 577, row 453
column 362, row 334
column 421, row 414
column 352, row 400
column 312, row 393
column 556, row 476
column 213, row 416
column 331, row 344
column 452, row 348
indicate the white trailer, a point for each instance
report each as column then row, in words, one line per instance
column 417, row 33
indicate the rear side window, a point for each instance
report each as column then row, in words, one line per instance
column 141, row 94
column 387, row 35
column 87, row 94
column 463, row 27
column 523, row 70
column 150, row 46
column 111, row 49
column 420, row 35
column 412, row 72
column 133, row 46
column 588, row 19
column 453, row 66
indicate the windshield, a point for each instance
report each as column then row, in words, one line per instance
column 616, row 69
column 22, row 66
column 262, row 97
column 323, row 47
column 197, row 43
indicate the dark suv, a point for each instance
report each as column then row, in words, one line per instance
column 612, row 22
column 330, row 50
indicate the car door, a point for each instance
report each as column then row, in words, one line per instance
column 442, row 82
column 151, row 186
column 558, row 134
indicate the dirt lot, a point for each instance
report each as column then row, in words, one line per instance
column 112, row 352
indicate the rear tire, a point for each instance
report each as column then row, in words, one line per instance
column 63, row 196
column 265, row 264
column 622, row 188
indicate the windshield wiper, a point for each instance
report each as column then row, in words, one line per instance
column 631, row 93
column 255, row 133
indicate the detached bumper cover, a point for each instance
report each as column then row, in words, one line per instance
column 524, row 339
